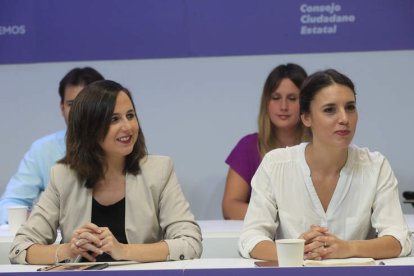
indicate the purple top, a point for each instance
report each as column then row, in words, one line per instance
column 245, row 157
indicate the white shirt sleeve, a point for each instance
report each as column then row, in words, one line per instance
column 260, row 222
column 387, row 216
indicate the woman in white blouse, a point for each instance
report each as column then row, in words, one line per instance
column 343, row 200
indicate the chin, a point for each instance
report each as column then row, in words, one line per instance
column 285, row 125
column 126, row 152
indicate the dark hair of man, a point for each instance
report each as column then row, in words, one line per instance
column 76, row 77
column 316, row 82
column 89, row 122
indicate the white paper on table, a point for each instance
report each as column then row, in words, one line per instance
column 341, row 262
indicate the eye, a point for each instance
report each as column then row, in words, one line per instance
column 69, row 103
column 292, row 98
column 130, row 116
column 329, row 110
column 114, row 119
column 275, row 97
column 351, row 107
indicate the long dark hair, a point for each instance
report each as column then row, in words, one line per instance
column 267, row 131
column 89, row 121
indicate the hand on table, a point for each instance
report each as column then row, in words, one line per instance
column 312, row 244
column 333, row 247
column 91, row 240
column 110, row 245
column 320, row 244
column 85, row 242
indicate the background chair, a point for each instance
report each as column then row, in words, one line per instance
column 409, row 197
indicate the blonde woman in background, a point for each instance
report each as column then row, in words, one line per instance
column 279, row 126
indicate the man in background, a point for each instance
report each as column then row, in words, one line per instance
column 32, row 176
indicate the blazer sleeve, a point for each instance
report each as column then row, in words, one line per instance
column 181, row 232
column 41, row 227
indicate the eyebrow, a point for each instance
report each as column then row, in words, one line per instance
column 288, row 94
column 333, row 104
column 129, row 111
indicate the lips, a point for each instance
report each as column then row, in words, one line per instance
column 343, row 132
column 283, row 117
column 125, row 139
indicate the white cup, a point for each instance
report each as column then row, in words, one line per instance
column 290, row 252
column 17, row 217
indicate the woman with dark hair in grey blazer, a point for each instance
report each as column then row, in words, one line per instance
column 110, row 199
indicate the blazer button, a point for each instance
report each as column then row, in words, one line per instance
column 181, row 257
column 17, row 251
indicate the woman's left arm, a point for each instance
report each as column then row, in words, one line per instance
column 387, row 216
column 181, row 232
column 181, row 235
column 380, row 248
column 152, row 252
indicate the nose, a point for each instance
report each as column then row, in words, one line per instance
column 284, row 104
column 126, row 124
column 343, row 117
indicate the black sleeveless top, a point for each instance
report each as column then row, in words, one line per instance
column 113, row 217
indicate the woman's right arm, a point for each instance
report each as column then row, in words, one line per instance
column 40, row 228
column 236, row 196
column 264, row 250
column 46, row 254
column 85, row 241
column 34, row 242
column 261, row 222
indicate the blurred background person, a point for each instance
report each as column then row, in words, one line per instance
column 279, row 126
column 32, row 176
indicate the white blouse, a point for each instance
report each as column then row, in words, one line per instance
column 284, row 202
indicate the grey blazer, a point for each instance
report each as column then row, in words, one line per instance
column 155, row 209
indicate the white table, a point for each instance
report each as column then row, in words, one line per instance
column 6, row 239
column 220, row 238
column 224, row 263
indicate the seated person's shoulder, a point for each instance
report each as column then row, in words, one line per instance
column 52, row 139
column 366, row 157
column 151, row 160
column 62, row 174
column 249, row 139
column 62, row 169
column 156, row 170
column 281, row 155
column 154, row 164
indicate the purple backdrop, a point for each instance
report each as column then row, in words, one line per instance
column 66, row 30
